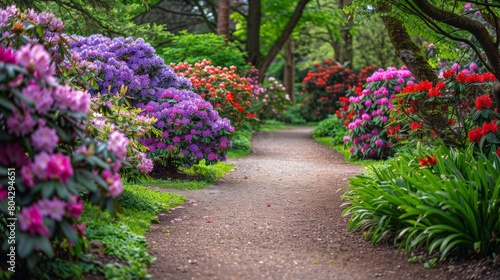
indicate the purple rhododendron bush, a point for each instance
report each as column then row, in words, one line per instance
column 190, row 128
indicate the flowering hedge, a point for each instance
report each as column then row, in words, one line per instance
column 325, row 84
column 456, row 109
column 271, row 99
column 191, row 129
column 229, row 93
column 50, row 158
column 369, row 111
column 127, row 62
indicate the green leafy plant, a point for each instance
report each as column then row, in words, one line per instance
column 197, row 47
column 331, row 127
column 447, row 201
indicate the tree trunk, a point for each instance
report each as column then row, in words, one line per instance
column 253, row 32
column 406, row 49
column 289, row 71
column 223, row 19
column 278, row 44
column 343, row 50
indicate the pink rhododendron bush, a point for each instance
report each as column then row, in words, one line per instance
column 49, row 160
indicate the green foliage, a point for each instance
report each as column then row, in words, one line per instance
column 331, row 127
column 210, row 173
column 293, row 115
column 242, row 142
column 191, row 48
column 451, row 206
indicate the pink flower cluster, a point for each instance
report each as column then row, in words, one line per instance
column 146, row 165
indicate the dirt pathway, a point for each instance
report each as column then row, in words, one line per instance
column 276, row 216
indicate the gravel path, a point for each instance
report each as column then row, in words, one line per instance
column 276, row 216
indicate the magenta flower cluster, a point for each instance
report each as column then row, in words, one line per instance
column 191, row 129
column 44, row 122
column 128, row 62
column 367, row 132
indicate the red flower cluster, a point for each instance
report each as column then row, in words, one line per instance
column 475, row 78
column 425, row 86
column 477, row 134
column 428, row 160
column 483, row 102
column 227, row 91
column 326, row 83
column 416, row 125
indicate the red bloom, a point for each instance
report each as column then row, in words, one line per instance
column 416, row 125
column 433, row 92
column 428, row 160
column 448, row 74
column 489, row 127
column 475, row 135
column 483, row 102
column 462, row 78
column 498, row 152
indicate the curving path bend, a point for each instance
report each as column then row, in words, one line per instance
column 276, row 216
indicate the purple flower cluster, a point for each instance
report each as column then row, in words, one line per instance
column 127, row 62
column 191, row 129
column 367, row 131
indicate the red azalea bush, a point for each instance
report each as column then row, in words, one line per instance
column 457, row 110
column 325, row 84
column 229, row 93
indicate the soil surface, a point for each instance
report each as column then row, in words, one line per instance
column 278, row 216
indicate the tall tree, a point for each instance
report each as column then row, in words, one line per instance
column 343, row 47
column 223, row 19
column 278, row 44
column 253, row 20
column 405, row 48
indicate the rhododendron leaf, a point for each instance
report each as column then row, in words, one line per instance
column 63, row 192
column 26, row 244
column 48, row 188
column 86, row 178
column 69, row 232
column 6, row 104
column 40, row 30
column 44, row 245
column 95, row 161
column 50, row 224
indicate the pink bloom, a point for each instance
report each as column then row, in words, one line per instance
column 41, row 96
column 74, row 207
column 473, row 67
column 59, row 167
column 80, row 229
column 69, row 98
column 31, row 220
column 36, row 59
column 54, row 208
column 379, row 142
column 3, row 192
column 118, row 144
column 28, row 176
column 176, row 139
column 40, row 165
column 12, row 154
column 20, row 124
column 44, row 139
column 146, row 164
column 115, row 185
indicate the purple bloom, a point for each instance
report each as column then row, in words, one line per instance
column 53, row 208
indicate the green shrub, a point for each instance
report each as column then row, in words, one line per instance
column 242, row 142
column 331, row 127
column 192, row 48
column 449, row 202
